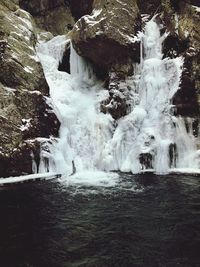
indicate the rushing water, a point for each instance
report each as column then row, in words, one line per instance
column 149, row 137
column 139, row 221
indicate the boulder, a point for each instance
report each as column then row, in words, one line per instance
column 108, row 35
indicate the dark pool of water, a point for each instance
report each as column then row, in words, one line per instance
column 43, row 224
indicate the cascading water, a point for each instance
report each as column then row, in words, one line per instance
column 75, row 98
column 149, row 137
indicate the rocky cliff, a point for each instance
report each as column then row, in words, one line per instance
column 105, row 32
column 24, row 113
column 108, row 37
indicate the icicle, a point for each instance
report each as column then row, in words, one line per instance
column 80, row 68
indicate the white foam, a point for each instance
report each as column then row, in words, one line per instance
column 92, row 178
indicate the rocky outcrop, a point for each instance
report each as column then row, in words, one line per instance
column 108, row 38
column 183, row 24
column 117, row 104
column 181, row 19
column 50, row 15
column 149, row 7
column 80, row 8
column 96, row 38
column 24, row 114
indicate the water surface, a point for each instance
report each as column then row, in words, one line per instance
column 142, row 221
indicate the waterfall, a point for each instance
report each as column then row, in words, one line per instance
column 75, row 99
column 150, row 137
column 146, row 137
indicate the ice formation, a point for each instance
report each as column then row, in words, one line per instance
column 150, row 137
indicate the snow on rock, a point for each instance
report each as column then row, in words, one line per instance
column 95, row 36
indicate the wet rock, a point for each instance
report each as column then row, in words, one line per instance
column 172, row 155
column 38, row 119
column 111, row 51
column 40, row 7
column 24, row 113
column 80, row 8
column 64, row 65
column 149, row 7
column 96, row 38
column 50, row 15
column 19, row 62
column 173, row 46
column 146, row 161
column 19, row 160
column 184, row 41
column 117, row 102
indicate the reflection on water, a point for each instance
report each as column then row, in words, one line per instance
column 143, row 221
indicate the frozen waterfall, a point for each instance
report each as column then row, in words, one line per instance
column 150, row 137
column 75, row 98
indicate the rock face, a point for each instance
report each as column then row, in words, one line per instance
column 50, row 15
column 96, row 38
column 80, row 8
column 108, row 39
column 182, row 20
column 149, row 7
column 24, row 114
column 183, row 23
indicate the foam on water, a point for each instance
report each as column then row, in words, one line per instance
column 149, row 137
column 92, row 178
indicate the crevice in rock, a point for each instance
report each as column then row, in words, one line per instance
column 186, row 99
column 80, row 8
column 64, row 65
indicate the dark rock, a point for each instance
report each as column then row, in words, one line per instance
column 51, row 15
column 95, row 37
column 184, row 41
column 196, row 127
column 173, row 46
column 172, row 155
column 186, row 98
column 24, row 113
column 38, row 115
column 64, row 65
column 80, row 8
column 146, row 161
column 19, row 161
column 149, row 7
column 117, row 102
column 40, row 7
